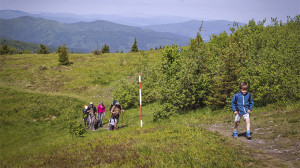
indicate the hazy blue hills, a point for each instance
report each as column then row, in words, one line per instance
column 84, row 36
column 131, row 19
column 190, row 28
column 10, row 14
column 82, row 32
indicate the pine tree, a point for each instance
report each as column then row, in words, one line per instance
column 134, row 47
column 105, row 49
column 63, row 54
column 43, row 49
column 5, row 50
column 195, row 44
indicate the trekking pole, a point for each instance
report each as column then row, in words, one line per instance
column 140, row 89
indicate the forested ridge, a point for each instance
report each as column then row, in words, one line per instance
column 20, row 47
column 208, row 74
column 84, row 36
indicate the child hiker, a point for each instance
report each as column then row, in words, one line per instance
column 112, row 123
column 242, row 105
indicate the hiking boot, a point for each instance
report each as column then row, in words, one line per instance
column 248, row 134
column 235, row 135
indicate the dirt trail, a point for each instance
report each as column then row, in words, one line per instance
column 282, row 149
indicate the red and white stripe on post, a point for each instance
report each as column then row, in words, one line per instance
column 140, row 89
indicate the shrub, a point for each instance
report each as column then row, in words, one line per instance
column 4, row 49
column 43, row 49
column 105, row 49
column 63, row 55
column 209, row 74
column 76, row 129
column 126, row 91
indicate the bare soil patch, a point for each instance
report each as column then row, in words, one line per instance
column 265, row 142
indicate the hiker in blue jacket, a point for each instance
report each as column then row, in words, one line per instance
column 242, row 105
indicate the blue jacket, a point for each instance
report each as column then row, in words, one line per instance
column 242, row 103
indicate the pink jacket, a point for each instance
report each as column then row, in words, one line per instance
column 101, row 109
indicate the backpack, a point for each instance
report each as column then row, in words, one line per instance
column 84, row 111
column 236, row 96
column 92, row 110
column 117, row 110
column 113, row 103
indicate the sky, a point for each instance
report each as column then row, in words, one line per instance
column 234, row 10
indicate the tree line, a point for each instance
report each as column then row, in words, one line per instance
column 208, row 74
column 18, row 47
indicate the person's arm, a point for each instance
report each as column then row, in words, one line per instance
column 251, row 104
column 233, row 105
column 112, row 109
column 104, row 109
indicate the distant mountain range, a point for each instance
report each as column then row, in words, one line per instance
column 191, row 28
column 126, row 19
column 84, row 36
column 83, row 33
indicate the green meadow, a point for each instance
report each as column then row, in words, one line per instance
column 40, row 100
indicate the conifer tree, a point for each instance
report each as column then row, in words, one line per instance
column 43, row 49
column 134, row 47
column 105, row 49
column 63, row 54
column 5, row 50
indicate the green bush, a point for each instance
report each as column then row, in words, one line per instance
column 77, row 129
column 4, row 49
column 126, row 91
column 43, row 49
column 63, row 54
column 208, row 74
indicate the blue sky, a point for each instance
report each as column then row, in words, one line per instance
column 234, row 10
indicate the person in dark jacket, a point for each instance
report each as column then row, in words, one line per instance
column 92, row 116
column 85, row 115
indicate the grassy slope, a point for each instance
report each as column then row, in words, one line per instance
column 90, row 78
column 32, row 122
column 38, row 89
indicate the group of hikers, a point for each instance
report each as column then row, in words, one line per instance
column 90, row 113
column 241, row 104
